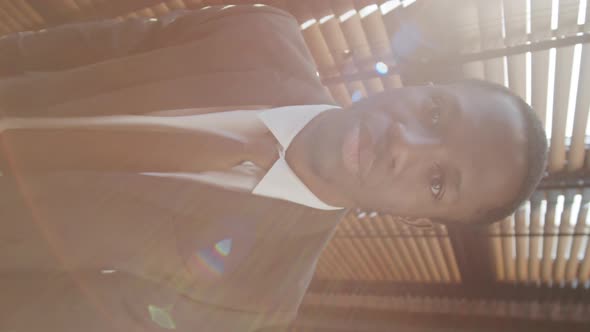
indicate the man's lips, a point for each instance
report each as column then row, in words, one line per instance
column 358, row 153
column 366, row 152
column 350, row 151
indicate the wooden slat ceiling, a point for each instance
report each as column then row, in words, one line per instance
column 374, row 247
column 545, row 243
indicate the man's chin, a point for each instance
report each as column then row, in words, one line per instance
column 343, row 187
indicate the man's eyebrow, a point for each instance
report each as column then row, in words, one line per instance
column 454, row 180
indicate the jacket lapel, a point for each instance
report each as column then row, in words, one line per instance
column 161, row 229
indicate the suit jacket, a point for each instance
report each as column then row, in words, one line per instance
column 88, row 251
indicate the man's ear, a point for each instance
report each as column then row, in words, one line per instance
column 422, row 223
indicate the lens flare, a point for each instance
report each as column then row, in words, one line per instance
column 381, row 68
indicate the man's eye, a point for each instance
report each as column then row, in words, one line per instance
column 435, row 115
column 436, row 186
column 435, row 111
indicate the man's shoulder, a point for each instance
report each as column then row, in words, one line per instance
column 262, row 33
column 184, row 19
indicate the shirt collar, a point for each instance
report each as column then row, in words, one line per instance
column 280, row 181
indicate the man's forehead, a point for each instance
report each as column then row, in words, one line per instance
column 490, row 188
column 492, row 153
column 492, row 172
column 496, row 107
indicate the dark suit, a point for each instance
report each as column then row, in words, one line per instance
column 200, row 257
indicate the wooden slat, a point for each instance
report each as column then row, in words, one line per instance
column 33, row 15
column 496, row 246
column 414, row 252
column 449, row 254
column 508, row 248
column 347, row 249
column 214, row 2
column 541, row 19
column 580, row 228
column 535, row 242
column 369, row 251
column 57, row 12
column 26, row 19
column 160, row 9
column 130, row 15
column 341, row 251
column 9, row 23
column 87, row 7
column 424, row 251
column 373, row 270
column 563, row 73
column 584, row 271
column 539, row 312
column 540, row 30
column 324, row 61
column 378, row 246
column 522, row 244
column 322, row 271
column 490, row 21
column 146, row 12
column 396, row 252
column 468, row 32
column 337, row 44
column 468, row 22
column 399, row 267
column 355, row 36
column 4, row 30
column 549, row 240
column 392, row 19
column 176, row 4
column 435, row 248
column 578, row 147
column 193, row 3
column 568, row 16
column 394, row 269
column 380, row 45
column 348, row 270
column 413, row 265
column 515, row 18
column 564, row 242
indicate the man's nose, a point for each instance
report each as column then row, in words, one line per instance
column 415, row 138
column 411, row 146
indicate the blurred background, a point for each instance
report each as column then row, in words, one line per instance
column 530, row 271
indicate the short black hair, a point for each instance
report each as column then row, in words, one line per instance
column 535, row 154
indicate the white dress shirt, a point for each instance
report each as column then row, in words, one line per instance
column 279, row 182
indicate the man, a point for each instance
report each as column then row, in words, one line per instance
column 155, row 230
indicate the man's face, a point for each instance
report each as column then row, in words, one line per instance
column 436, row 152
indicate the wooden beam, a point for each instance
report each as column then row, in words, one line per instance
column 434, row 65
column 319, row 318
column 485, row 291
